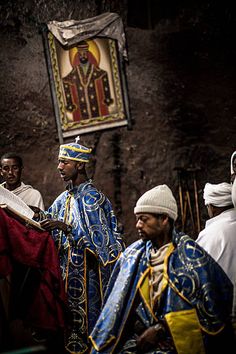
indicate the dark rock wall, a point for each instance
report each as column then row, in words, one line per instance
column 181, row 80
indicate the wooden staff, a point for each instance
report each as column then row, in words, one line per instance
column 181, row 199
column 184, row 212
column 196, row 202
column 190, row 208
column 187, row 201
column 193, row 170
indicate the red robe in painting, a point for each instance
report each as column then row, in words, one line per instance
column 87, row 92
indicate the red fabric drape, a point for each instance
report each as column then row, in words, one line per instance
column 34, row 249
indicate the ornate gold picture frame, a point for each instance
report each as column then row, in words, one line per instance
column 88, row 85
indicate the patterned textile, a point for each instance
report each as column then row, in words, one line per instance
column 87, row 256
column 75, row 152
column 156, row 275
column 195, row 289
column 87, row 92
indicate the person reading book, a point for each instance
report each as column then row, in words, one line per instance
column 16, row 196
column 11, row 170
column 84, row 227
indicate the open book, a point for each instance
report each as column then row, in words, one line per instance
column 17, row 206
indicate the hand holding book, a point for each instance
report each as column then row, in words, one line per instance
column 18, row 207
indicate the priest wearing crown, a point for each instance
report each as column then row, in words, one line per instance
column 84, row 227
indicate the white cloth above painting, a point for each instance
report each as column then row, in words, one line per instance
column 108, row 25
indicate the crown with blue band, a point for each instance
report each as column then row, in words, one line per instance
column 74, row 151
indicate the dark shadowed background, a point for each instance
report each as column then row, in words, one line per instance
column 182, row 86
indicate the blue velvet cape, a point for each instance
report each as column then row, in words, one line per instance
column 87, row 256
column 195, row 285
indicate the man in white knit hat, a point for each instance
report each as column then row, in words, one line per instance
column 219, row 236
column 156, row 299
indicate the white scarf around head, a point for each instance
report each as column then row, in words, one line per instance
column 218, row 195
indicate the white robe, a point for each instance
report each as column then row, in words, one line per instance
column 29, row 195
column 219, row 240
column 234, row 193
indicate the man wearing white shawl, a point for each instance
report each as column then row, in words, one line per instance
column 219, row 236
column 11, row 166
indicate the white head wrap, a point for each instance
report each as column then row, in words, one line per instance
column 218, row 195
column 231, row 162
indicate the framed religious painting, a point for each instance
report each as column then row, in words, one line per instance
column 88, row 85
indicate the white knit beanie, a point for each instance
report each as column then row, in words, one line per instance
column 158, row 200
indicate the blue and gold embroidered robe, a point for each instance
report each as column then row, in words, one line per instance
column 196, row 298
column 87, row 256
